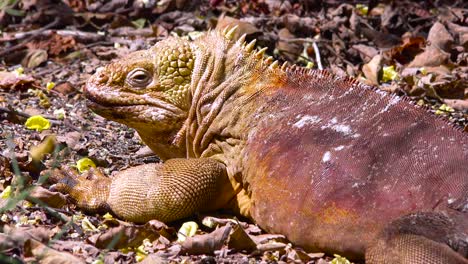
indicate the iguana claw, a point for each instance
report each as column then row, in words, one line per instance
column 88, row 191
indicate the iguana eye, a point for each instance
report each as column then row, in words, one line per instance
column 139, row 78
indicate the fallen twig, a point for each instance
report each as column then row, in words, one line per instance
column 32, row 36
column 52, row 119
column 317, row 56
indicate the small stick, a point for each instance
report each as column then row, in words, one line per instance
column 52, row 119
column 317, row 56
column 35, row 34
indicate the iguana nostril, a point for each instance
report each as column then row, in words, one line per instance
column 100, row 76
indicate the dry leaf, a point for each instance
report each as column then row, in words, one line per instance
column 440, row 37
column 432, row 56
column 242, row 27
column 72, row 139
column 208, row 243
column 406, row 52
column 52, row 199
column 65, row 88
column 290, row 50
column 239, row 240
column 265, row 238
column 366, row 52
column 129, row 235
column 47, row 146
column 15, row 237
column 46, row 255
column 34, row 58
column 457, row 103
column 14, row 81
column 372, row 70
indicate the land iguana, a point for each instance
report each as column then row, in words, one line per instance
column 333, row 164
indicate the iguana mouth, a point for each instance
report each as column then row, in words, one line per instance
column 125, row 101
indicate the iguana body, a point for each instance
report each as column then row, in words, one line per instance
column 333, row 164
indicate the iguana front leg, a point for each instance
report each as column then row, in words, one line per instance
column 165, row 191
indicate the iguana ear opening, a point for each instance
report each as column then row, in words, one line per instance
column 174, row 66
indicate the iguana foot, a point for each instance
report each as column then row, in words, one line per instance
column 164, row 191
column 422, row 238
column 89, row 191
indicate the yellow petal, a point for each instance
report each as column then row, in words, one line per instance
column 339, row 260
column 107, row 216
column 6, row 192
column 87, row 225
column 84, row 164
column 362, row 9
column 188, row 229
column 37, row 122
column 50, row 86
column 389, row 73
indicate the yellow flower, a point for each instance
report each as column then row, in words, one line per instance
column 84, row 164
column 37, row 122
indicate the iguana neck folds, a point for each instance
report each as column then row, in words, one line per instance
column 220, row 84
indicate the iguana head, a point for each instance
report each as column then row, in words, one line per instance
column 147, row 90
column 160, row 91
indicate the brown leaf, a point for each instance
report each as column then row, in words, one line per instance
column 71, row 139
column 15, row 237
column 372, row 70
column 440, row 37
column 5, row 172
column 85, row 249
column 289, row 49
column 461, row 31
column 126, row 235
column 366, row 52
column 55, row 44
column 457, row 103
column 432, row 56
column 65, row 88
column 13, row 81
column 34, row 58
column 265, row 238
column 381, row 40
column 406, row 52
column 52, row 199
column 274, row 246
column 242, row 27
column 302, row 25
column 208, row 243
column 46, row 255
column 239, row 240
column 298, row 255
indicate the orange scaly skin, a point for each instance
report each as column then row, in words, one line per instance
column 334, row 165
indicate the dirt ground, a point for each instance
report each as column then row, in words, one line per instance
column 48, row 49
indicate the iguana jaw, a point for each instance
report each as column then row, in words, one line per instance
column 141, row 111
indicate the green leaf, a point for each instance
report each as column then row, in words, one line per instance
column 139, row 23
column 14, row 12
